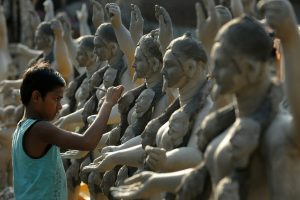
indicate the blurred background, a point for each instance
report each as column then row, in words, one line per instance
column 182, row 13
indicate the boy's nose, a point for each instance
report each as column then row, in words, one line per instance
column 59, row 106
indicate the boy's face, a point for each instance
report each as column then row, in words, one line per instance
column 50, row 105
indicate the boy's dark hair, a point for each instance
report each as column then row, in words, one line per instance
column 40, row 77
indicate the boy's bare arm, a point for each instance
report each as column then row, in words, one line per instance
column 47, row 133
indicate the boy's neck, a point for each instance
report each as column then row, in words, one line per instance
column 30, row 113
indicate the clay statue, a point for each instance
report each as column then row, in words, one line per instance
column 178, row 127
column 258, row 119
column 78, row 96
column 142, row 104
column 109, row 78
column 176, row 74
column 227, row 165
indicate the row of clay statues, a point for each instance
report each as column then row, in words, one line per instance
column 200, row 119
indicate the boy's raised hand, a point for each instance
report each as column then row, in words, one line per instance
column 113, row 94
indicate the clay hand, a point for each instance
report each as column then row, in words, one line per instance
column 139, row 186
column 101, row 164
column 19, row 49
column 136, row 23
column 113, row 94
column 98, row 14
column 73, row 154
column 82, row 15
column 61, row 122
column 108, row 149
column 48, row 6
column 207, row 27
column 66, row 24
column 280, row 16
column 5, row 86
column 156, row 158
column 57, row 28
column 114, row 14
column 165, row 26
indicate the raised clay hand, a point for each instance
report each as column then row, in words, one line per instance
column 103, row 163
column 156, row 158
column 165, row 26
column 139, row 186
column 114, row 14
column 136, row 23
column 66, row 24
column 57, row 28
column 6, row 86
column 208, row 27
column 74, row 154
column 98, row 14
column 82, row 15
column 49, row 10
column 48, row 6
column 280, row 16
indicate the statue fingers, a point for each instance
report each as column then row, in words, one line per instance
column 100, row 158
column 166, row 16
column 200, row 14
column 153, row 150
column 123, row 194
column 91, row 167
column 157, row 12
column 135, row 179
column 138, row 13
column 211, row 9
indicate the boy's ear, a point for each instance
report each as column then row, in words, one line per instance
column 35, row 96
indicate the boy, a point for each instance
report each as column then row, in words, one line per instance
column 37, row 165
